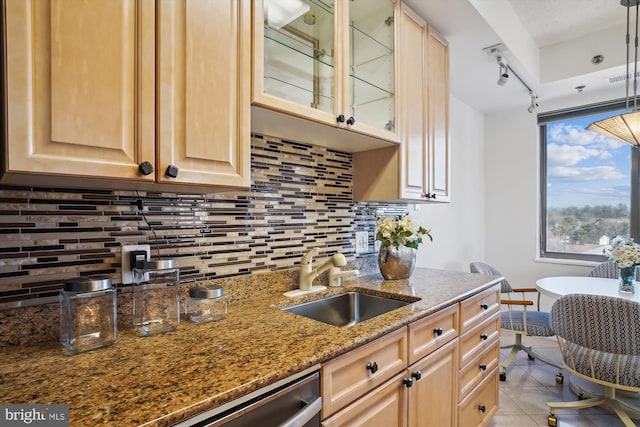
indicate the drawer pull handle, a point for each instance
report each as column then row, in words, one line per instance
column 484, row 337
column 408, row 382
column 373, row 367
column 483, row 367
column 437, row 331
column 417, row 375
column 484, row 306
column 482, row 408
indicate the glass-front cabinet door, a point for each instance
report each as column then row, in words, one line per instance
column 371, row 81
column 330, row 61
column 296, row 58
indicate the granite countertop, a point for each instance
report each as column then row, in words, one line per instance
column 161, row 380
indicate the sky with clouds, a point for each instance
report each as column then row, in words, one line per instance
column 584, row 167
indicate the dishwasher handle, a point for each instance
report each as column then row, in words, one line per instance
column 300, row 418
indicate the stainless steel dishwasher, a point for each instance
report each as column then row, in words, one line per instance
column 292, row 402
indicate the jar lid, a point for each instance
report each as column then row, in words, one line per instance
column 155, row 264
column 210, row 291
column 88, row 284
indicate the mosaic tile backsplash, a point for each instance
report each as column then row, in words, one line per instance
column 300, row 198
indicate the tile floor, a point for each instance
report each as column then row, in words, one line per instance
column 531, row 384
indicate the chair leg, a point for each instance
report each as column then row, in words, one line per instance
column 609, row 400
column 534, row 355
column 515, row 348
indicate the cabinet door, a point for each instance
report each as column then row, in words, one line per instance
column 80, row 87
column 413, row 148
column 385, row 406
column 295, row 51
column 370, row 101
column 438, row 108
column 433, row 397
column 203, row 93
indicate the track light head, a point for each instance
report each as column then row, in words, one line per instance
column 504, row 70
column 534, row 102
column 503, row 76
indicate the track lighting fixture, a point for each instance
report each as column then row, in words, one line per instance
column 534, row 102
column 504, row 70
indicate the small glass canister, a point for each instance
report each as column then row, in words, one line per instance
column 206, row 304
column 156, row 296
column 88, row 309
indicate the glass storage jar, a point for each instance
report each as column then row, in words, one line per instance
column 88, row 309
column 156, row 296
column 206, row 303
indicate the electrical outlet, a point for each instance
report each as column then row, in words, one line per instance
column 362, row 242
column 127, row 264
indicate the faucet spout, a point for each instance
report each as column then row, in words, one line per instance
column 337, row 260
column 336, row 275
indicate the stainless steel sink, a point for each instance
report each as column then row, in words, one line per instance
column 346, row 309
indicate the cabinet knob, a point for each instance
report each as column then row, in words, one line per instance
column 482, row 408
column 340, row 118
column 172, row 171
column 484, row 337
column 373, row 367
column 145, row 168
column 351, row 121
column 483, row 367
column 484, row 306
column 437, row 331
column 417, row 375
column 408, row 382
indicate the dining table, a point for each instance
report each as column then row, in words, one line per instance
column 554, row 288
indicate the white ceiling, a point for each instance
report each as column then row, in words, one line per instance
column 549, row 43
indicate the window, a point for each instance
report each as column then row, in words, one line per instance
column 588, row 195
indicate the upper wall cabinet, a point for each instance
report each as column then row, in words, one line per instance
column 418, row 169
column 85, row 80
column 328, row 62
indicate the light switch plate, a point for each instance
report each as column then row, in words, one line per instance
column 362, row 242
column 127, row 274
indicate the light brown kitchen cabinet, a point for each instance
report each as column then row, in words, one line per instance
column 85, row 80
column 384, row 406
column 352, row 375
column 375, row 386
column 479, row 358
column 417, row 170
column 434, row 393
column 329, row 63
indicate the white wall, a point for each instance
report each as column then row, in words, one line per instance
column 511, row 200
column 458, row 227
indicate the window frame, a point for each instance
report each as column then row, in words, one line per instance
column 634, row 202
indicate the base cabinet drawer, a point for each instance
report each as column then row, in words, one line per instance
column 478, row 308
column 430, row 333
column 481, row 404
column 478, row 339
column 347, row 377
column 479, row 368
